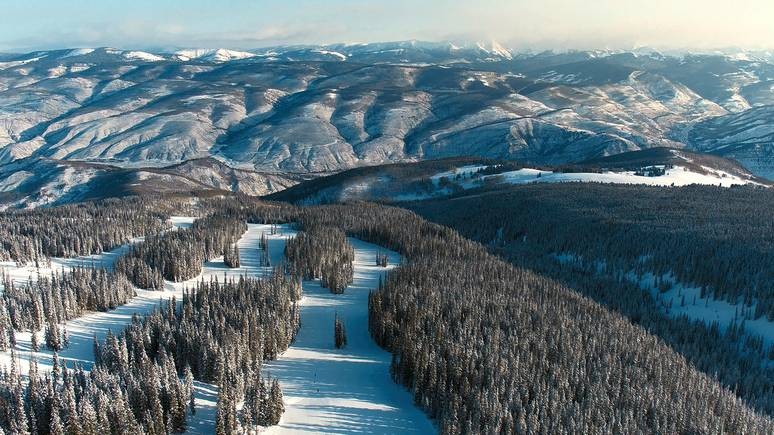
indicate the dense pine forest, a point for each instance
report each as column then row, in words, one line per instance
column 719, row 238
column 560, row 223
column 72, row 230
column 222, row 332
column 120, row 396
column 324, row 253
column 483, row 345
column 141, row 380
column 64, row 296
column 179, row 255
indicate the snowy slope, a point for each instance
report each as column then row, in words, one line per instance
column 349, row 390
column 466, row 177
column 83, row 329
column 686, row 300
column 677, row 176
column 212, row 55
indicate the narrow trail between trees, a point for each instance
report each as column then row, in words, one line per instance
column 345, row 390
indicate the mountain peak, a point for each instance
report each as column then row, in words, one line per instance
column 211, row 54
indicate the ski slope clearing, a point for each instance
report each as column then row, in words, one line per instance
column 677, row 176
column 686, row 300
column 22, row 273
column 680, row 299
column 345, row 390
column 83, row 330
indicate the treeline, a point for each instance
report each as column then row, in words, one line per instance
column 223, row 331
column 73, row 230
column 51, row 301
column 322, row 252
column 179, row 255
column 488, row 347
column 718, row 238
column 142, row 379
column 128, row 396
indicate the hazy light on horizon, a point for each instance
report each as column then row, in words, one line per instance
column 517, row 24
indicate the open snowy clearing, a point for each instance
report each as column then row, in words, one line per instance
column 20, row 274
column 345, row 390
column 676, row 176
column 685, row 300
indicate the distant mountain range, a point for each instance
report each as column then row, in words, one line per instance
column 279, row 115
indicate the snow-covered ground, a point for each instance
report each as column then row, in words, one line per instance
column 462, row 171
column 677, row 176
column 343, row 390
column 682, row 299
column 21, row 273
column 685, row 300
column 83, row 329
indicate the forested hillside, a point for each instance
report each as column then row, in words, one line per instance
column 72, row 230
column 715, row 237
column 486, row 346
column 483, row 345
column 720, row 238
column 179, row 255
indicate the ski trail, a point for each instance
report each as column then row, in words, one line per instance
column 21, row 274
column 343, row 390
column 203, row 422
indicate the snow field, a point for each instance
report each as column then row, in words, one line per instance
column 677, row 176
column 685, row 300
column 705, row 309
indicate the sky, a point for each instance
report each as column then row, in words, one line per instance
column 517, row 24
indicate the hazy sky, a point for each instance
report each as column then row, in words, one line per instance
column 38, row 24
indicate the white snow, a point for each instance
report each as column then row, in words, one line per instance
column 21, row 273
column 677, row 176
column 683, row 299
column 13, row 63
column 347, row 390
column 142, row 55
column 215, row 55
column 78, row 52
column 494, row 48
column 463, row 171
column 336, row 54
column 13, row 181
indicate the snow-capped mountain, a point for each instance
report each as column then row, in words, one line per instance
column 304, row 110
column 211, row 55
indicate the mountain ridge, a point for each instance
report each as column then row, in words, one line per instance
column 307, row 110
